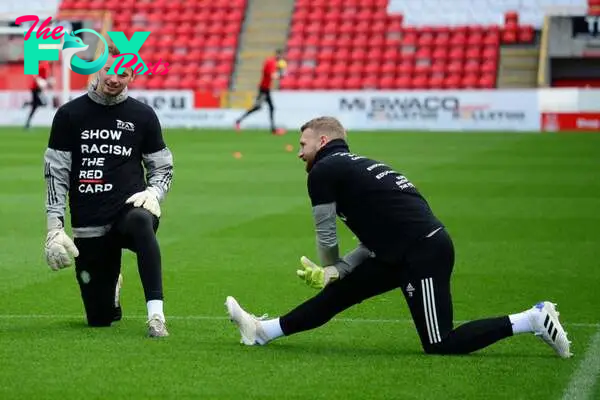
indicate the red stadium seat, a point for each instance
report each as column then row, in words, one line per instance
column 390, row 54
column 457, row 53
column 376, row 42
column 473, row 53
column 511, row 18
column 360, row 41
column 458, row 39
column 316, row 83
column 526, row 34
column 489, row 67
column 492, row 39
column 490, row 53
column 487, row 81
column 436, row 82
column 475, row 39
column 406, row 68
column 424, row 53
column 287, row 84
column 370, row 83
column 510, row 36
column 442, row 40
column 440, row 53
column 387, row 82
column 355, row 70
column 470, row 82
column 336, row 83
column 452, row 82
column 472, row 67
column 353, row 84
column 403, row 82
column 426, row 39
column 420, row 82
column 454, row 67
column 438, row 69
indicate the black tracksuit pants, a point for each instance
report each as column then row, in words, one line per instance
column 424, row 278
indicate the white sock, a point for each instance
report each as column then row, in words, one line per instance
column 520, row 323
column 272, row 328
column 155, row 307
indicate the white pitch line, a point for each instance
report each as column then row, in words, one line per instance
column 225, row 318
column 581, row 385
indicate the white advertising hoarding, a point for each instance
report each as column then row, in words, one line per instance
column 481, row 110
column 157, row 99
column 484, row 110
column 200, row 118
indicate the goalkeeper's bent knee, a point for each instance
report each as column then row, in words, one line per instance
column 140, row 220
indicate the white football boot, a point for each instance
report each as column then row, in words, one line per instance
column 157, row 327
column 249, row 325
column 544, row 320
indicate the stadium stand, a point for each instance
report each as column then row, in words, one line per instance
column 199, row 39
column 331, row 44
column 407, row 44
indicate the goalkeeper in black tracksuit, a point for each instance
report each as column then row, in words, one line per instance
column 98, row 147
column 402, row 245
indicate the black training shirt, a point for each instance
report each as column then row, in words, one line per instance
column 379, row 205
column 107, row 144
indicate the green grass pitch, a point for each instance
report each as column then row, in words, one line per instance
column 523, row 210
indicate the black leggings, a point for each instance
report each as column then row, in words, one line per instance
column 264, row 95
column 99, row 263
column 36, row 102
column 424, row 278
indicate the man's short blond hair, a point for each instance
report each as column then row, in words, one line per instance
column 328, row 126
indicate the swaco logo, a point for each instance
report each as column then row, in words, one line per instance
column 35, row 51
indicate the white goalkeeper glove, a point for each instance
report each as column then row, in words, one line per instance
column 147, row 199
column 59, row 249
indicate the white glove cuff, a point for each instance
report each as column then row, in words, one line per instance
column 330, row 274
column 155, row 192
column 54, row 222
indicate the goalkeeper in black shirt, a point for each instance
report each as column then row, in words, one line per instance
column 106, row 153
column 402, row 246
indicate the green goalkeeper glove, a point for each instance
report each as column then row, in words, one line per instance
column 315, row 276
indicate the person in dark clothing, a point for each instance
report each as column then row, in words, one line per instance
column 272, row 69
column 39, row 84
column 107, row 154
column 403, row 245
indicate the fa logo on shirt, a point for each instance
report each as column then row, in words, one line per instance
column 128, row 126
